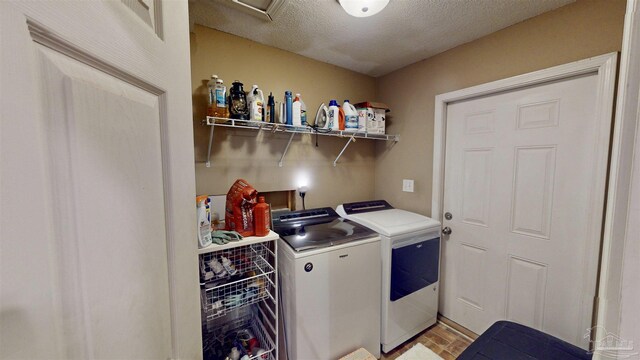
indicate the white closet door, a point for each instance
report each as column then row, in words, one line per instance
column 97, row 182
column 524, row 186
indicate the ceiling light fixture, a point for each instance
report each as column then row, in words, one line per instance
column 363, row 8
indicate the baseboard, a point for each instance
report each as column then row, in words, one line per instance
column 457, row 327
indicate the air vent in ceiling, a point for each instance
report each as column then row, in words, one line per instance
column 264, row 9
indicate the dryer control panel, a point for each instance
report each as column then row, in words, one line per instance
column 365, row 206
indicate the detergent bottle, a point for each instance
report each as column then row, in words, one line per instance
column 350, row 116
column 256, row 104
column 340, row 118
column 334, row 115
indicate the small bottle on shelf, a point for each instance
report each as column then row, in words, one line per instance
column 271, row 109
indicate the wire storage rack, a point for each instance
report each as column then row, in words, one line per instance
column 235, row 278
column 239, row 299
column 246, row 332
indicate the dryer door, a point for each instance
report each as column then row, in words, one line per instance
column 414, row 266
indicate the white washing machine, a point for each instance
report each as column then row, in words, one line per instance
column 410, row 245
column 330, row 281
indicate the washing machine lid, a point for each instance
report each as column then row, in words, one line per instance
column 391, row 222
column 318, row 228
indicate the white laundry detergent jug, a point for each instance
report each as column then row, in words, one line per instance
column 350, row 117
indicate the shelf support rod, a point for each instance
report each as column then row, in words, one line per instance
column 208, row 163
column 352, row 138
column 286, row 149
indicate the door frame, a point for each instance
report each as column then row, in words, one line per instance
column 604, row 67
column 618, row 256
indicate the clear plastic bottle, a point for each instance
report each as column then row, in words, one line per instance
column 211, row 96
column 220, row 109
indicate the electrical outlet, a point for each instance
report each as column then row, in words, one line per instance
column 407, row 185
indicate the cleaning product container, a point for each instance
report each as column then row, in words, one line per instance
column 295, row 112
column 350, row 117
column 211, row 98
column 334, row 115
column 288, row 101
column 256, row 104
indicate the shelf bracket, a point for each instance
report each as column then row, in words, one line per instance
column 352, row 138
column 286, row 149
column 208, row 163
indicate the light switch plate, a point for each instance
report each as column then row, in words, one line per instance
column 407, row 185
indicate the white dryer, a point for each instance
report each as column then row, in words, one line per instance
column 410, row 248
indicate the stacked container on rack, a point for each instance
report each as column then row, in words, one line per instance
column 239, row 299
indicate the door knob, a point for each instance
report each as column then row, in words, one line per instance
column 446, row 230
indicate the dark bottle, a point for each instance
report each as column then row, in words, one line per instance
column 238, row 108
column 271, row 108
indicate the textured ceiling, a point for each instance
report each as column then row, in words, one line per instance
column 404, row 32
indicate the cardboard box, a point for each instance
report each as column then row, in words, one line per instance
column 371, row 116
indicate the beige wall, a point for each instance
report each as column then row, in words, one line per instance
column 254, row 157
column 570, row 33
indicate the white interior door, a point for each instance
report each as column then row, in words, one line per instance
column 97, row 243
column 524, row 184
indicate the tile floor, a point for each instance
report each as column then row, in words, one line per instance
column 440, row 338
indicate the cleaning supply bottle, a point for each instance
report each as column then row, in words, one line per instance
column 250, row 101
column 271, row 109
column 256, row 104
column 204, row 223
column 295, row 112
column 303, row 111
column 334, row 115
column 340, row 118
column 262, row 218
column 221, row 100
column 211, row 98
column 350, row 116
column 288, row 112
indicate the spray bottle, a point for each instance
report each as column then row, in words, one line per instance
column 204, row 223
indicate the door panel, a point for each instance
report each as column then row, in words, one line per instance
column 108, row 133
column 533, row 190
column 91, row 262
column 519, row 181
column 526, row 288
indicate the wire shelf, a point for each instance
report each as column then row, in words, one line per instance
column 219, row 339
column 277, row 127
column 247, row 278
column 289, row 129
